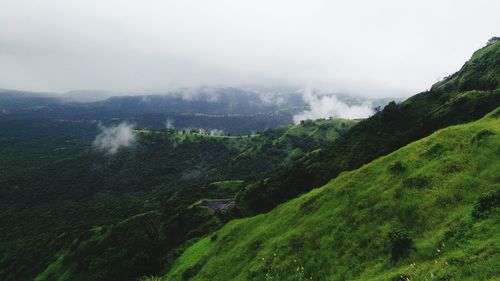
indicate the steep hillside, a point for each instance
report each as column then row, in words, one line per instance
column 429, row 211
column 479, row 73
column 55, row 190
column 386, row 131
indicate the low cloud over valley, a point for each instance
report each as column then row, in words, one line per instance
column 112, row 138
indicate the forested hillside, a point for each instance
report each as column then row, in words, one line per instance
column 429, row 211
column 249, row 140
column 56, row 190
column 466, row 99
column 404, row 194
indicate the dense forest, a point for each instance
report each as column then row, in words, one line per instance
column 72, row 187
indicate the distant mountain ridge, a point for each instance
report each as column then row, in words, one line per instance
column 231, row 110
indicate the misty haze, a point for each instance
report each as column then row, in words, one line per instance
column 249, row 140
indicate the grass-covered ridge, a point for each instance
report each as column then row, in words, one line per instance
column 466, row 96
column 429, row 211
column 478, row 73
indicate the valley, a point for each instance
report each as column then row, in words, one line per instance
column 169, row 176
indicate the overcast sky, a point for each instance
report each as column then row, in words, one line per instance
column 371, row 48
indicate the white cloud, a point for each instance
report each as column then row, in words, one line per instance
column 324, row 106
column 270, row 98
column 216, row 132
column 111, row 139
column 169, row 124
column 383, row 48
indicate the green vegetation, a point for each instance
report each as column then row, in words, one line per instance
column 386, row 131
column 231, row 186
column 407, row 194
column 289, row 143
column 71, row 188
column 369, row 225
column 130, row 246
column 479, row 73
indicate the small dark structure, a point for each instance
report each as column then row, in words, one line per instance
column 218, row 205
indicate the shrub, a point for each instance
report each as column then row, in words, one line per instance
column 309, row 205
column 486, row 203
column 401, row 243
column 192, row 271
column 397, row 167
column 492, row 40
column 434, row 151
column 450, row 166
column 213, row 237
column 416, row 182
column 481, row 135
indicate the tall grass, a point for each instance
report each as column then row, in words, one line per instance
column 405, row 216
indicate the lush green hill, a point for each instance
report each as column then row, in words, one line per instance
column 429, row 211
column 479, row 73
column 462, row 101
column 289, row 143
column 54, row 189
column 70, row 212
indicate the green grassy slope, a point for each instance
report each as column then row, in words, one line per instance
column 479, row 73
column 386, row 131
column 429, row 211
column 288, row 143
